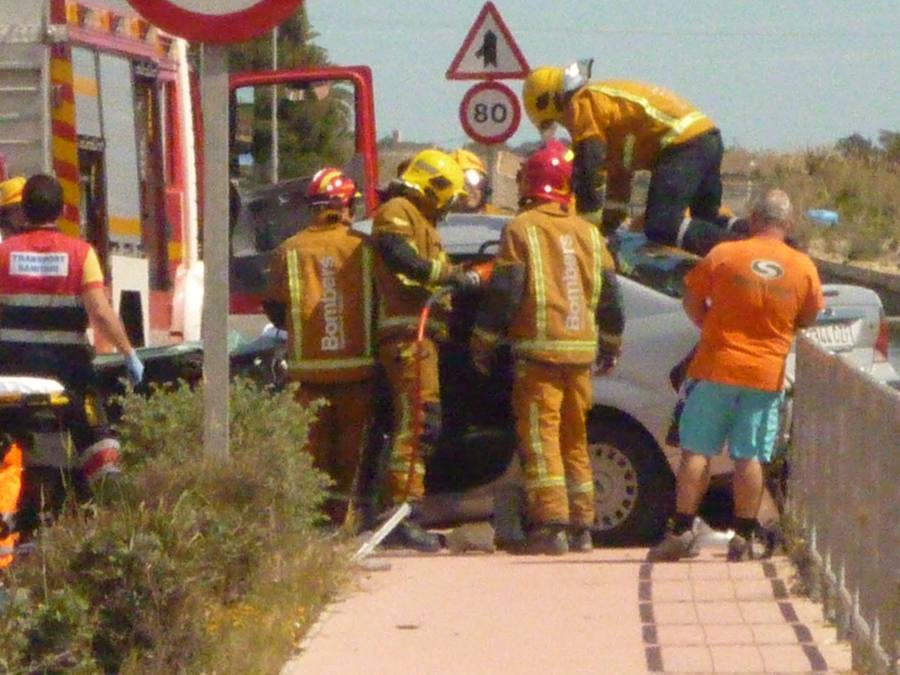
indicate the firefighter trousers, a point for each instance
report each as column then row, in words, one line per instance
column 411, row 369
column 337, row 437
column 688, row 176
column 550, row 404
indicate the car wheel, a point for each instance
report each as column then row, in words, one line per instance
column 634, row 489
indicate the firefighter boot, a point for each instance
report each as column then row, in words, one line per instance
column 580, row 540
column 547, row 540
column 411, row 536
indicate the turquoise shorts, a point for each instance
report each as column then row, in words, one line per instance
column 745, row 418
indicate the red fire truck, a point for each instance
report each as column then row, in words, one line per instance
column 92, row 93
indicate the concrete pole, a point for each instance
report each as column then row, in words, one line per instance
column 214, row 93
column 275, row 108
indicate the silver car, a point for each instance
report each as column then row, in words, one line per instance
column 634, row 466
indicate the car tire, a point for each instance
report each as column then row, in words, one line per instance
column 634, row 487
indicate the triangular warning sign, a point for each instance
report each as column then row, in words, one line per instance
column 489, row 51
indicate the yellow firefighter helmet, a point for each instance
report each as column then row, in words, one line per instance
column 468, row 161
column 542, row 95
column 11, row 191
column 435, row 175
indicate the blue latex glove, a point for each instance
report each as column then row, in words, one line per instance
column 135, row 368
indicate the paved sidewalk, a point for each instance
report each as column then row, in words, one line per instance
column 607, row 612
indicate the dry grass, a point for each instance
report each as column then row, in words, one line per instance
column 865, row 194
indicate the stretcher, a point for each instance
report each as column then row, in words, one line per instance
column 31, row 436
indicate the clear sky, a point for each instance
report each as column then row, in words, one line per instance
column 776, row 74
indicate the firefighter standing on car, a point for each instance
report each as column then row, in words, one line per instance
column 622, row 126
column 410, row 264
column 554, row 296
column 51, row 287
column 322, row 292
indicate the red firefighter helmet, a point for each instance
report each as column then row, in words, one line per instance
column 547, row 174
column 330, row 187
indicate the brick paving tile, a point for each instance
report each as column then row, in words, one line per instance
column 774, row 634
column 753, row 589
column 674, row 612
column 665, row 571
column 736, row 659
column 671, row 590
column 760, row 612
column 685, row 634
column 687, row 659
column 708, row 570
column 736, row 634
column 713, row 589
column 746, row 570
column 719, row 613
column 785, row 659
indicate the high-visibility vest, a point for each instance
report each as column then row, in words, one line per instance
column 635, row 121
column 10, row 491
column 401, row 299
column 330, row 305
column 564, row 258
column 41, row 282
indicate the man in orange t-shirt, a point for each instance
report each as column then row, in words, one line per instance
column 748, row 298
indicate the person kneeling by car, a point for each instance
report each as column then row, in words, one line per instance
column 748, row 298
column 554, row 295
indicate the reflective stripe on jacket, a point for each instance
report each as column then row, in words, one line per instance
column 635, row 122
column 564, row 258
column 401, row 298
column 42, row 277
column 324, row 276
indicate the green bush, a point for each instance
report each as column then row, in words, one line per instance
column 162, row 573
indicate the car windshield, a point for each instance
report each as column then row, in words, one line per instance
column 655, row 265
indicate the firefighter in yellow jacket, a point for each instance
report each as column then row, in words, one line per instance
column 410, row 264
column 621, row 127
column 554, row 296
column 322, row 292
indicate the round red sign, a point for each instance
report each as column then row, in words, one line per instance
column 490, row 112
column 216, row 21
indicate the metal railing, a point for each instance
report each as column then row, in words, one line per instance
column 844, row 493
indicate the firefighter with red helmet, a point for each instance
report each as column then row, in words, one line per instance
column 51, row 287
column 410, row 264
column 554, row 296
column 321, row 291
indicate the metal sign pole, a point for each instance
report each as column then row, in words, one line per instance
column 216, row 291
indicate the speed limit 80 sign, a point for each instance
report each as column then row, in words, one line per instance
column 490, row 112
